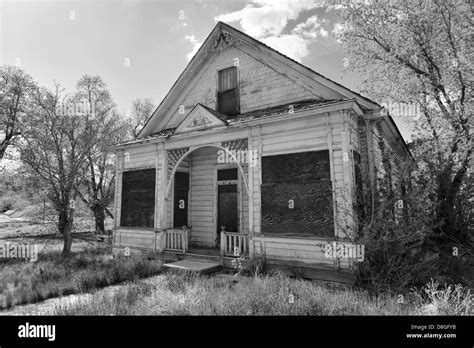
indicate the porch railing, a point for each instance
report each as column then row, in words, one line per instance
column 177, row 240
column 234, row 244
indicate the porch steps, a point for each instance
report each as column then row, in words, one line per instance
column 203, row 258
column 192, row 255
column 194, row 266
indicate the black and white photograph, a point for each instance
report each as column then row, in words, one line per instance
column 212, row 172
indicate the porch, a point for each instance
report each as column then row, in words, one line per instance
column 294, row 257
column 232, row 244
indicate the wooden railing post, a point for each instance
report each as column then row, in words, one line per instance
column 223, row 243
column 185, row 240
column 176, row 240
column 234, row 244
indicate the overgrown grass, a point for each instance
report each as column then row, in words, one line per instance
column 447, row 300
column 188, row 294
column 51, row 276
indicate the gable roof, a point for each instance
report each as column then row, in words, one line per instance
column 224, row 33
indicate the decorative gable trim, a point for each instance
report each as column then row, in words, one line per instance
column 224, row 40
column 200, row 117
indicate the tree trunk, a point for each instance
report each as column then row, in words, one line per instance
column 446, row 210
column 3, row 149
column 99, row 216
column 65, row 223
column 7, row 140
column 67, row 242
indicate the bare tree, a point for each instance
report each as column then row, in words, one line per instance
column 58, row 146
column 142, row 109
column 96, row 180
column 15, row 95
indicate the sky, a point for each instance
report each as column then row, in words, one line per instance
column 140, row 47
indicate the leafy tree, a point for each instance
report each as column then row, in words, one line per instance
column 417, row 52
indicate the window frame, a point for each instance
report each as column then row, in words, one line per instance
column 122, row 198
column 220, row 68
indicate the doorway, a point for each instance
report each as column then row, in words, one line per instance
column 227, row 202
column 181, row 195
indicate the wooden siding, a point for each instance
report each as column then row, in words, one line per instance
column 134, row 238
column 296, row 250
column 139, row 157
column 202, row 196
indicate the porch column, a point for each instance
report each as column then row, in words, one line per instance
column 118, row 187
column 345, row 211
column 254, row 180
column 160, row 187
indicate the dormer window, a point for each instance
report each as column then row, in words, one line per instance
column 228, row 92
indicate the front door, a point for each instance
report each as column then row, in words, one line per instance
column 227, row 209
column 227, row 202
column 180, row 208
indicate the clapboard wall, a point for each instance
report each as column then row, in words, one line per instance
column 202, row 195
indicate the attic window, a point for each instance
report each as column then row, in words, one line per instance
column 228, row 92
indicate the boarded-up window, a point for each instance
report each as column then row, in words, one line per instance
column 297, row 195
column 227, row 92
column 138, row 198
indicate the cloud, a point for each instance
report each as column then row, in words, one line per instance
column 266, row 20
column 291, row 45
column 261, row 18
column 311, row 29
column 311, row 23
column 196, row 45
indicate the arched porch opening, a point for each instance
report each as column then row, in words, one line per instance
column 190, row 151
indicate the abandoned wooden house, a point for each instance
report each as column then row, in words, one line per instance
column 256, row 156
